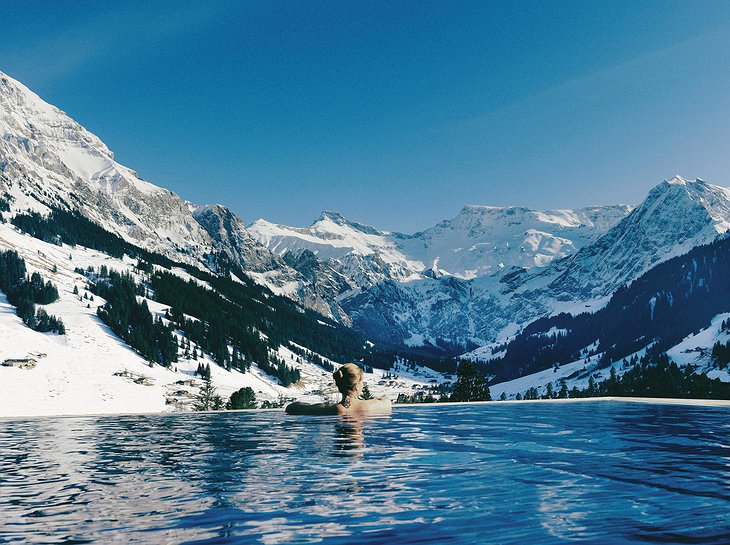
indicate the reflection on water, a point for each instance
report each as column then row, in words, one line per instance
column 590, row 472
column 349, row 437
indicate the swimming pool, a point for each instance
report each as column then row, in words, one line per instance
column 594, row 472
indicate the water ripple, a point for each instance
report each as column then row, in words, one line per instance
column 539, row 473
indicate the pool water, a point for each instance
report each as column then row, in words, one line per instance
column 593, row 472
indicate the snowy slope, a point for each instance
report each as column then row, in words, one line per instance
column 481, row 240
column 364, row 255
column 90, row 370
column 478, row 241
column 482, row 275
column 49, row 160
column 442, row 284
column 676, row 216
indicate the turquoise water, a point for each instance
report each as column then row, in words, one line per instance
column 595, row 472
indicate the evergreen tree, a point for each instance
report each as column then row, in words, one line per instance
column 470, row 385
column 245, row 398
column 25, row 292
column 657, row 376
column 721, row 354
column 549, row 391
column 132, row 320
column 591, row 391
column 563, row 393
column 532, row 393
column 208, row 398
column 366, row 394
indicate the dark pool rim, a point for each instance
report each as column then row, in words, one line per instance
column 716, row 403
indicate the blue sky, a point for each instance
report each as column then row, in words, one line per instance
column 393, row 113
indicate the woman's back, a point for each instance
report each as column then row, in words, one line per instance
column 349, row 381
column 356, row 406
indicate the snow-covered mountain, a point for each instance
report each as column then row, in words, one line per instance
column 467, row 280
column 47, row 160
column 442, row 286
column 480, row 276
column 679, row 307
column 89, row 370
column 479, row 241
column 50, row 163
column 474, row 280
column 676, row 216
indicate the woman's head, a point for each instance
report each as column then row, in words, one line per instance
column 348, row 378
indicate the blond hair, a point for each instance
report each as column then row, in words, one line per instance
column 347, row 378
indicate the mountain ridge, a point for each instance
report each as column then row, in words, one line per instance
column 469, row 282
column 47, row 161
column 469, row 279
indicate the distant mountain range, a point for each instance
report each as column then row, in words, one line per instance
column 467, row 285
column 479, row 277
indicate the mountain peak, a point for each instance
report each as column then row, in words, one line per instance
column 677, row 187
column 486, row 209
column 52, row 161
column 339, row 219
column 332, row 215
column 205, row 208
column 677, row 215
column 696, row 190
column 678, row 180
column 14, row 94
column 697, row 183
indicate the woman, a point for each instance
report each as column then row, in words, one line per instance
column 349, row 381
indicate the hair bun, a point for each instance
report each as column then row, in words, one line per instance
column 347, row 377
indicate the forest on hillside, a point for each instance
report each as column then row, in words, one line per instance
column 234, row 320
column 659, row 309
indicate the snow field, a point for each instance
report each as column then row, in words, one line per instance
column 91, row 371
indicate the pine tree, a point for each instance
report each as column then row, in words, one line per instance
column 245, row 398
column 563, row 393
column 532, row 393
column 591, row 391
column 208, row 398
column 549, row 391
column 366, row 394
column 470, row 386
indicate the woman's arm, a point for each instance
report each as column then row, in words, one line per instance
column 311, row 408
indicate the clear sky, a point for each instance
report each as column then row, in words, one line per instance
column 393, row 113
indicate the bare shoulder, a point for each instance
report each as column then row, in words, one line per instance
column 380, row 405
